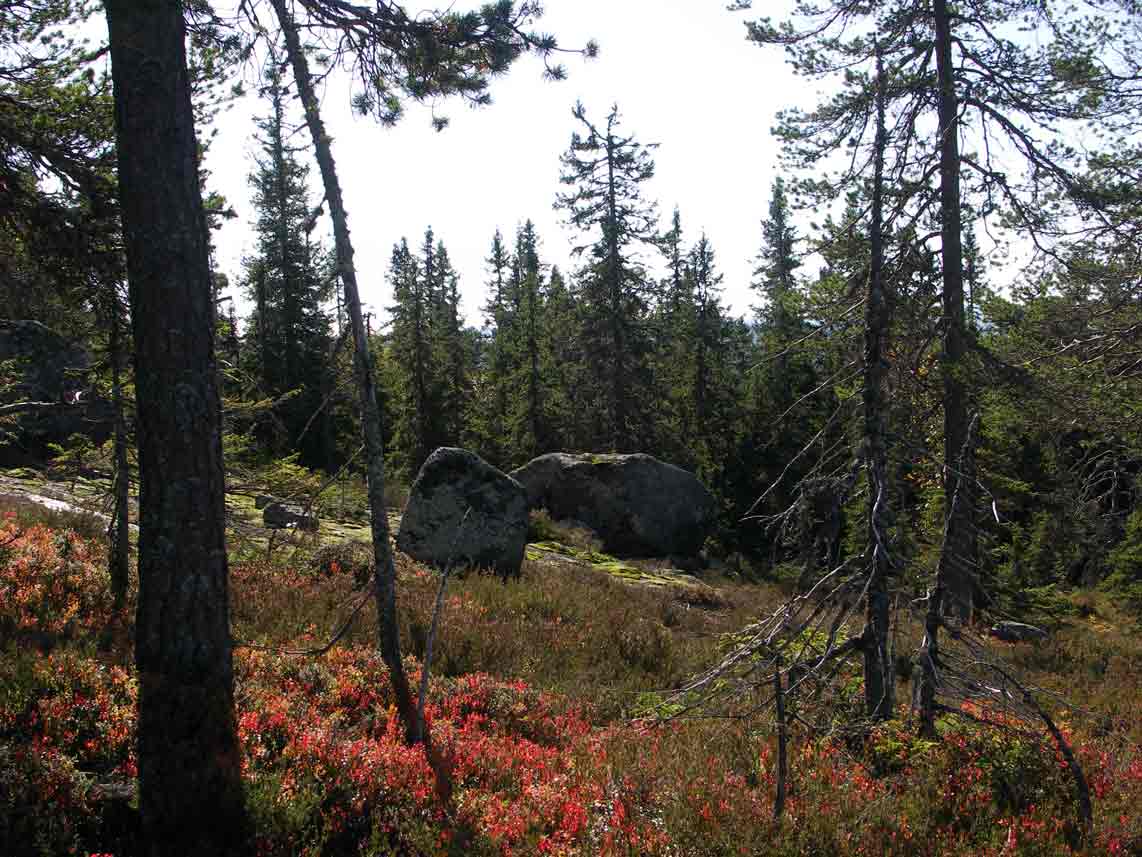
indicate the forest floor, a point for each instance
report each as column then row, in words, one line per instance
column 545, row 698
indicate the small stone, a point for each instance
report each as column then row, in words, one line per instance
column 1017, row 632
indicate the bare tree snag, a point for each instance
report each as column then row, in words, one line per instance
column 389, row 633
column 878, row 669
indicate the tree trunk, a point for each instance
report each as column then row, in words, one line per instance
column 190, row 784
column 120, row 525
column 956, row 569
column 388, row 629
column 878, row 668
column 782, row 741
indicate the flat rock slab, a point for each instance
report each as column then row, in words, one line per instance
column 283, row 516
column 636, row 504
column 454, row 482
column 1017, row 632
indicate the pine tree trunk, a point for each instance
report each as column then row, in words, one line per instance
column 120, row 526
column 389, row 632
column 878, row 668
column 956, row 568
column 952, row 593
column 190, row 784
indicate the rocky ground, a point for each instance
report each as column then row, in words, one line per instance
column 91, row 496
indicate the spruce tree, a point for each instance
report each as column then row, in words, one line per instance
column 495, row 383
column 451, row 354
column 561, row 366
column 527, row 419
column 674, row 333
column 285, row 279
column 712, row 389
column 605, row 170
column 411, row 352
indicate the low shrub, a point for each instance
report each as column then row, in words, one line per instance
column 54, row 583
column 543, row 756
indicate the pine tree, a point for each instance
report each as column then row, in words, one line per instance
column 190, row 784
column 606, row 170
column 957, row 69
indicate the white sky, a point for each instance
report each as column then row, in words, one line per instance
column 682, row 74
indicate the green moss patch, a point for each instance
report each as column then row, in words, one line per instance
column 624, row 571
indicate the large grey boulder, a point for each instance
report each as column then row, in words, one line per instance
column 449, row 483
column 285, row 516
column 50, row 372
column 638, row 505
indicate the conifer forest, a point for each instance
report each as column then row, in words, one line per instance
column 608, row 540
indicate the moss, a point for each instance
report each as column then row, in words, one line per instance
column 603, row 458
column 591, row 557
column 616, row 568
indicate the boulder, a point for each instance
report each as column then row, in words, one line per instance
column 449, row 483
column 284, row 516
column 51, row 372
column 638, row 505
column 1017, row 632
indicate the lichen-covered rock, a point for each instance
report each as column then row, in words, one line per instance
column 636, row 504
column 283, row 516
column 449, row 483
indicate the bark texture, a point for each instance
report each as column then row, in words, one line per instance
column 120, row 524
column 190, row 787
column 957, row 560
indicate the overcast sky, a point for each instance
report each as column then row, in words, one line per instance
column 683, row 76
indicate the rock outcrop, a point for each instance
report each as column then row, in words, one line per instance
column 636, row 504
column 50, row 377
column 1017, row 632
column 285, row 516
column 434, row 530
